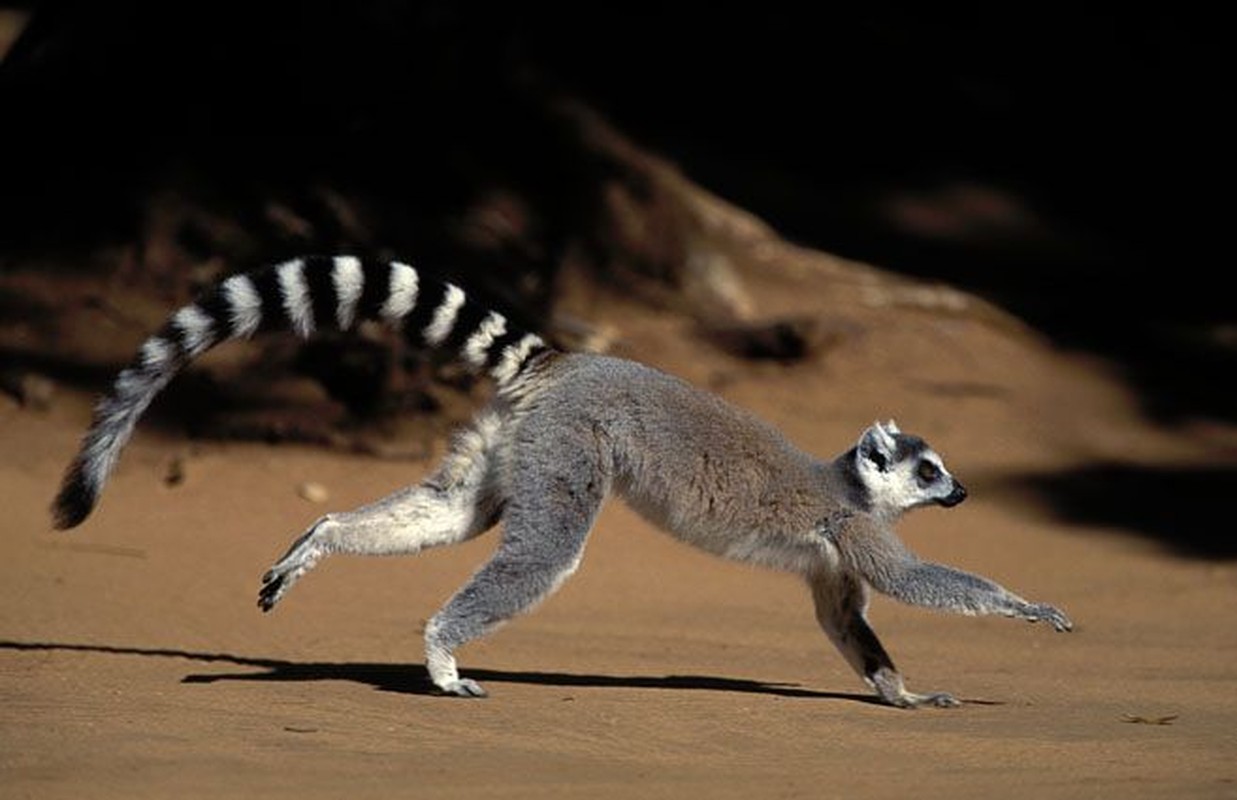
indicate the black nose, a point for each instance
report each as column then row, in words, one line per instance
column 956, row 496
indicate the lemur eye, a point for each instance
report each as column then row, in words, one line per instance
column 928, row 472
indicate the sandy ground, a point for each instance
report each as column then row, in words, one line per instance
column 133, row 662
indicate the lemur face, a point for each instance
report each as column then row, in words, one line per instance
column 901, row 472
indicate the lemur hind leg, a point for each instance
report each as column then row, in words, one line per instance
column 841, row 603
column 458, row 502
column 545, row 525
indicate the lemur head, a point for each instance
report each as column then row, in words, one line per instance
column 900, row 472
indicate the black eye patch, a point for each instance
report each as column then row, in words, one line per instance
column 927, row 471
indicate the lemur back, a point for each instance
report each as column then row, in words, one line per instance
column 563, row 432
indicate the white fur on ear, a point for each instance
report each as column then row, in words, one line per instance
column 884, row 435
column 891, row 428
column 877, row 441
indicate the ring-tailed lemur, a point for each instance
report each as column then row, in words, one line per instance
column 562, row 432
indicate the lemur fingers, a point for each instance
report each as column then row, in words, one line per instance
column 888, row 684
column 930, row 700
column 1042, row 612
column 300, row 559
column 463, row 687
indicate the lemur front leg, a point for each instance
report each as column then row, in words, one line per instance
column 885, row 563
column 941, row 587
column 458, row 502
column 841, row 602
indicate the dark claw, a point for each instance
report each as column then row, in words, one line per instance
column 1042, row 612
column 266, row 595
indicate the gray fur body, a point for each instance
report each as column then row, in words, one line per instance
column 566, row 430
column 712, row 475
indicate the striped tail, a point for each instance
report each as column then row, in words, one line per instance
column 303, row 295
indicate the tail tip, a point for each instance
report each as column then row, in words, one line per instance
column 74, row 502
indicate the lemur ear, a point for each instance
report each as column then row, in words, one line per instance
column 877, row 445
column 891, row 428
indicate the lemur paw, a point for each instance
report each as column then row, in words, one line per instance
column 280, row 578
column 1042, row 612
column 463, row 687
column 288, row 570
column 931, row 699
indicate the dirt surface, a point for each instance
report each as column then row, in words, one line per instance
column 134, row 663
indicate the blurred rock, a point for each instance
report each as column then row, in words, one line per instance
column 31, row 390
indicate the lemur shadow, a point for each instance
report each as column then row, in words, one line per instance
column 413, row 679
